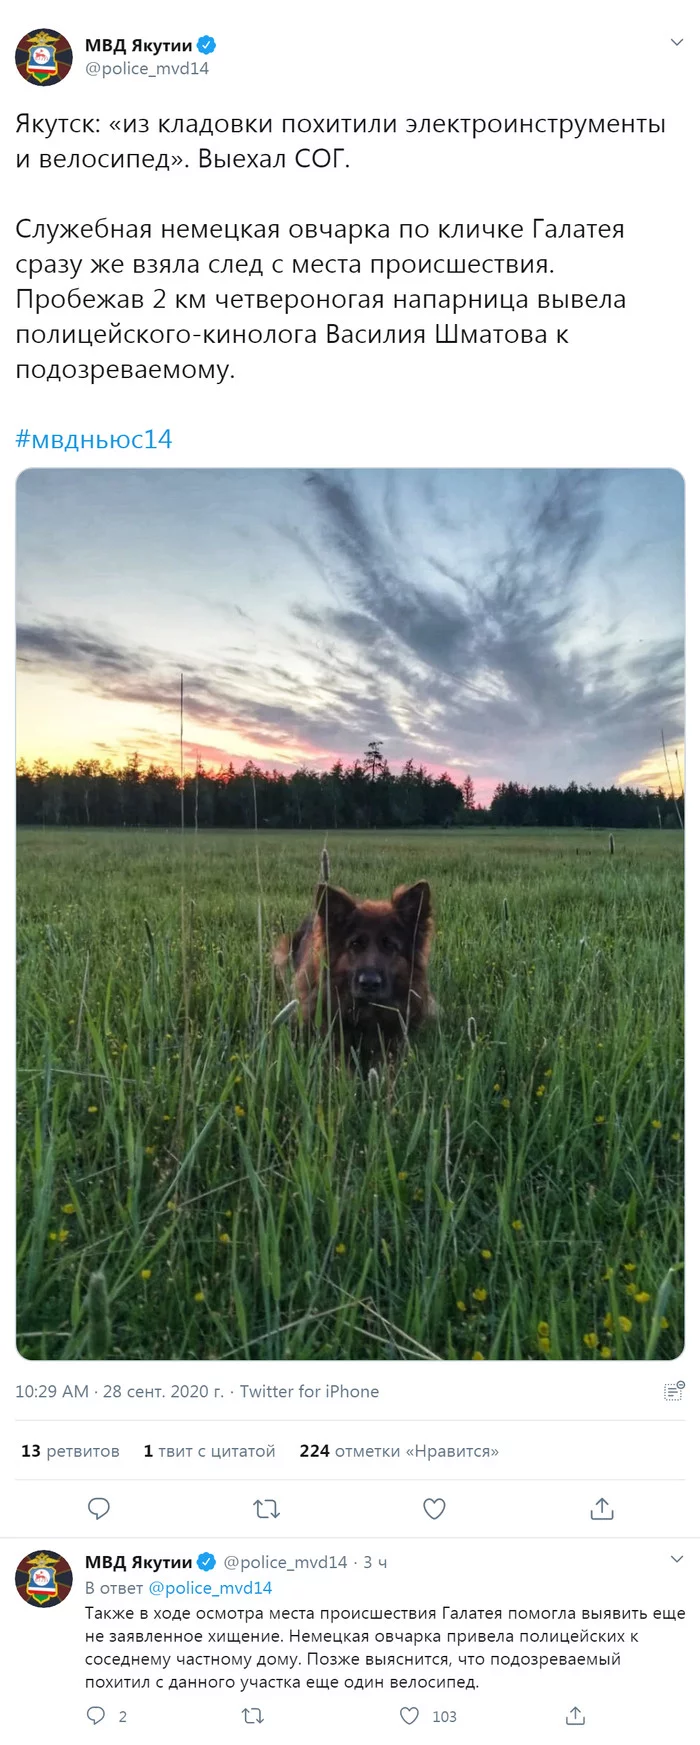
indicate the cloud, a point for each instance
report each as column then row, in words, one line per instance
column 659, row 771
column 464, row 637
column 73, row 648
column 497, row 657
column 219, row 697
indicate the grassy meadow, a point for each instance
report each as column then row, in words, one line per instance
column 512, row 1189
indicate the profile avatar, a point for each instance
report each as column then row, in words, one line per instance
column 44, row 57
column 43, row 1578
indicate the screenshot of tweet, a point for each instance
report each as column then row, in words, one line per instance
column 350, row 489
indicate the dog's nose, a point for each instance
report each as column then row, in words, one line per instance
column 370, row 981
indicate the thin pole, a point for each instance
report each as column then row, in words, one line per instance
column 182, row 752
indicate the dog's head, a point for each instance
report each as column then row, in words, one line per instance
column 377, row 952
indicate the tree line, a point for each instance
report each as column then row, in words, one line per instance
column 362, row 795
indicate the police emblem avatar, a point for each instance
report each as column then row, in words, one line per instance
column 43, row 57
column 43, row 1578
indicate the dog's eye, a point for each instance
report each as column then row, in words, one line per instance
column 387, row 943
column 358, row 942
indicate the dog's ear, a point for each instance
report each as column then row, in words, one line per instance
column 335, row 908
column 413, row 905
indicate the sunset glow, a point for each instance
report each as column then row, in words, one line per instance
column 498, row 623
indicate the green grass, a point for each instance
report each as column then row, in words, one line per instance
column 246, row 1197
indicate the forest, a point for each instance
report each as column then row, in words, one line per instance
column 365, row 794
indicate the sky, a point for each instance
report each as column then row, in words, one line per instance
column 512, row 624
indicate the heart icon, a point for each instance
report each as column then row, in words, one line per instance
column 434, row 1507
column 409, row 1716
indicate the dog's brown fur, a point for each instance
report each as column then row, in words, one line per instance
column 361, row 968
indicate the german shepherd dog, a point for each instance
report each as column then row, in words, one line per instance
column 361, row 968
